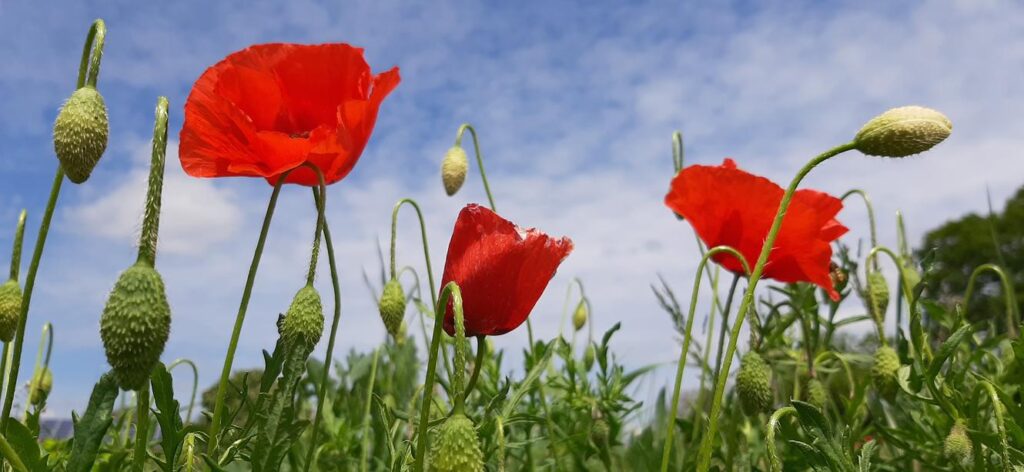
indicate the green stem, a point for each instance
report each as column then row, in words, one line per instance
column 705, row 359
column 195, row 383
column 151, row 220
column 4, row 366
column 704, row 457
column 681, row 366
column 916, row 341
column 565, row 305
column 773, row 424
column 479, row 159
column 459, row 392
column 321, row 208
column 30, row 283
column 871, row 213
column 366, row 414
column 678, row 152
column 37, row 373
column 11, row 456
column 92, row 54
column 229, row 358
column 19, row 237
column 1012, row 317
column 481, row 350
column 141, row 429
column 997, row 407
column 725, row 324
column 450, row 291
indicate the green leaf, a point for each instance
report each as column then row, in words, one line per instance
column 167, row 415
column 947, row 350
column 92, row 426
column 864, row 462
column 811, row 417
column 24, row 444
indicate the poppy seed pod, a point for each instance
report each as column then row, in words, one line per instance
column 80, row 133
column 392, row 307
column 43, row 388
column 902, row 132
column 957, row 446
column 579, row 317
column 135, row 325
column 453, row 169
column 753, row 384
column 878, row 295
column 885, row 371
column 10, row 309
column 456, row 447
column 303, row 325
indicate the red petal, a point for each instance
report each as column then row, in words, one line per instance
column 501, row 270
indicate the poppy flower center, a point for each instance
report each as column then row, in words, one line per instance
column 299, row 135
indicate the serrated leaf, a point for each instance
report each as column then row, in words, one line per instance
column 167, row 414
column 92, row 426
column 947, row 350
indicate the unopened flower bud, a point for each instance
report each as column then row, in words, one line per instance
column 903, row 131
column 303, row 324
column 80, row 133
column 453, row 169
column 42, row 389
column 878, row 295
column 815, row 393
column 885, row 371
column 579, row 317
column 10, row 309
column 456, row 447
column 392, row 307
column 588, row 356
column 957, row 445
column 135, row 325
column 753, row 384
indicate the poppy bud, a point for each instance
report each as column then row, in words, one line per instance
column 588, row 356
column 10, row 309
column 600, row 431
column 38, row 395
column 392, row 307
column 957, row 446
column 885, row 371
column 753, row 384
column 902, row 132
column 815, row 393
column 878, row 295
column 839, row 276
column 303, row 325
column 910, row 275
column 453, row 169
column 579, row 317
column 80, row 133
column 456, row 447
column 135, row 324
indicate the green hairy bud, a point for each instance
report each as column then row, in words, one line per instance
column 10, row 309
column 303, row 325
column 753, row 384
column 878, row 295
column 42, row 389
column 80, row 133
column 957, row 446
column 453, row 169
column 579, row 317
column 815, row 393
column 456, row 447
column 903, row 131
column 885, row 371
column 135, row 325
column 392, row 307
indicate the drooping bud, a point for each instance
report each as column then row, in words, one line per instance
column 453, row 169
column 42, row 389
column 588, row 356
column 957, row 446
column 303, row 324
column 579, row 317
column 838, row 275
column 903, row 131
column 392, row 307
column 815, row 393
column 456, row 447
column 885, row 371
column 753, row 384
column 878, row 295
column 10, row 309
column 600, row 430
column 910, row 275
column 80, row 133
column 135, row 325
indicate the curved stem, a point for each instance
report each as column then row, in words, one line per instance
column 366, row 414
column 565, row 305
column 678, row 152
column 773, row 424
column 92, row 54
column 229, row 358
column 450, row 291
column 1012, row 317
column 423, row 234
column 871, row 213
column 481, row 350
column 321, row 208
column 904, row 289
column 725, row 324
column 997, row 407
column 11, row 456
column 459, row 392
column 674, row 408
column 19, row 237
column 141, row 428
column 151, row 220
column 704, row 457
column 329, row 356
column 195, row 383
column 479, row 159
column 706, row 357
column 820, row 358
column 30, row 283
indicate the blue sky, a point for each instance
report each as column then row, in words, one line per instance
column 575, row 103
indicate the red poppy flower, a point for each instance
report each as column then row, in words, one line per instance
column 728, row 206
column 269, row 108
column 501, row 269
